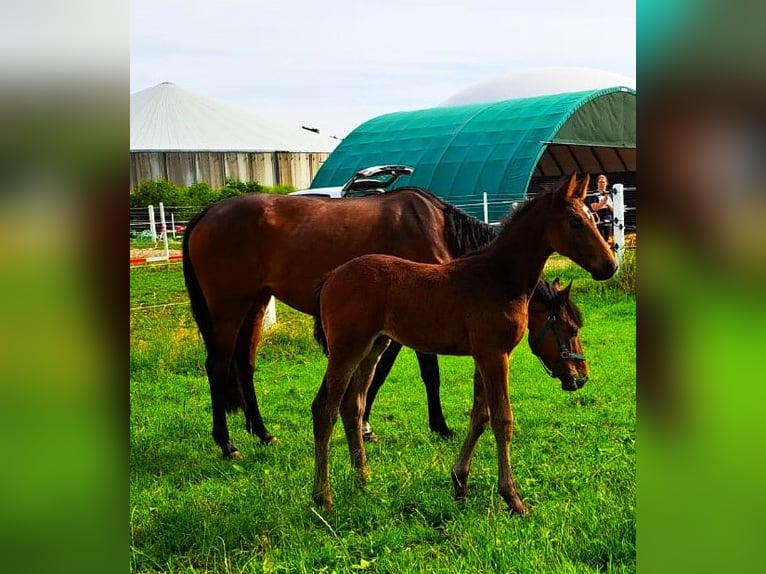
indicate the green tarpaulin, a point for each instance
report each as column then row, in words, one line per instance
column 460, row 152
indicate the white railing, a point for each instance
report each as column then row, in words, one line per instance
column 618, row 200
column 618, row 220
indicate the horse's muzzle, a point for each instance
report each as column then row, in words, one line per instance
column 574, row 383
column 605, row 271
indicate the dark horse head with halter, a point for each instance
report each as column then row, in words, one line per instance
column 554, row 339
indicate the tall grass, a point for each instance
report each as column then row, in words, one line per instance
column 191, row 511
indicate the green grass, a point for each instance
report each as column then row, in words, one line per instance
column 192, row 511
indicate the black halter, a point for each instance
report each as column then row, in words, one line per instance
column 566, row 354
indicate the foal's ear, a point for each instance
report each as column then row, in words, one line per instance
column 563, row 296
column 575, row 192
column 571, row 188
column 584, row 187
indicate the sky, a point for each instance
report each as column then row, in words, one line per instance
column 335, row 64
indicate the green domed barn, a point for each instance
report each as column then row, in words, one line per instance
column 507, row 148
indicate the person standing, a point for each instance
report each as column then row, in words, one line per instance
column 601, row 205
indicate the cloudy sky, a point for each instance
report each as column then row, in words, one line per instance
column 337, row 63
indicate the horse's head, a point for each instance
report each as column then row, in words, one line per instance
column 572, row 231
column 554, row 322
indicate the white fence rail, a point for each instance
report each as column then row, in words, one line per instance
column 144, row 225
column 159, row 234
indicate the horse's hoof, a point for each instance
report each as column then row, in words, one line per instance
column 367, row 434
column 322, row 500
column 232, row 454
column 517, row 507
column 269, row 441
column 460, row 487
column 370, row 437
column 441, row 429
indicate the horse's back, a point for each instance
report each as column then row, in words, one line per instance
column 397, row 223
column 408, row 301
column 283, row 244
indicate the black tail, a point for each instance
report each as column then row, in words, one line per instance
column 231, row 394
column 199, row 306
column 319, row 335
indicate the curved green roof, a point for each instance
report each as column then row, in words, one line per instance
column 460, row 152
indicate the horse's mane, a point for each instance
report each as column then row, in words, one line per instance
column 546, row 191
column 545, row 194
column 545, row 293
column 463, row 232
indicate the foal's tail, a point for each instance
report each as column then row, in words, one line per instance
column 319, row 335
column 199, row 306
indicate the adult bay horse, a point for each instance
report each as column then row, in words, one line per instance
column 475, row 305
column 239, row 252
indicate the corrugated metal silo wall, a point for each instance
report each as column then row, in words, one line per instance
column 213, row 167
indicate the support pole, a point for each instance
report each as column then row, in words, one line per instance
column 152, row 224
column 618, row 201
column 164, row 231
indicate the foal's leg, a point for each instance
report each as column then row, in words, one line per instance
column 324, row 410
column 323, row 423
column 429, row 372
column 494, row 371
column 381, row 373
column 352, row 405
column 247, row 348
column 479, row 419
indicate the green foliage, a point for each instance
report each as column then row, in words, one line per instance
column 234, row 187
column 154, row 192
column 626, row 275
column 573, row 455
column 281, row 189
column 197, row 194
column 622, row 285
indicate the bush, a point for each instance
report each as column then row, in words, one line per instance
column 197, row 195
column 154, row 192
column 234, row 187
column 280, row 189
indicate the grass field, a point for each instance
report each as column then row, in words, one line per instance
column 192, row 511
